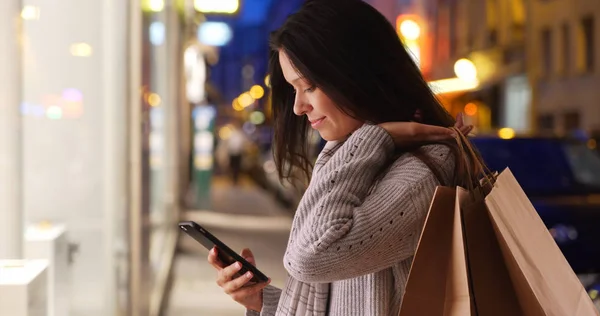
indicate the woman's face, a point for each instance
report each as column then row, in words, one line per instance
column 323, row 114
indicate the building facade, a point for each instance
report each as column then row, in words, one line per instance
column 491, row 35
column 536, row 60
column 564, row 58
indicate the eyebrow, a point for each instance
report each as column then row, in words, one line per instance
column 301, row 79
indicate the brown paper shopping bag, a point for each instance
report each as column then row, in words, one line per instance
column 438, row 282
column 485, row 251
column 458, row 269
column 544, row 282
column 489, row 278
column 458, row 257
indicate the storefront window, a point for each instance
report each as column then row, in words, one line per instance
column 74, row 167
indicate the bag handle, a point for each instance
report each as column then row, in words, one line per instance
column 472, row 163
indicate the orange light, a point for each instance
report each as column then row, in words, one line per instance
column 236, row 105
column 412, row 30
column 471, row 109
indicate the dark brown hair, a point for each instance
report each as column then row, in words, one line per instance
column 352, row 53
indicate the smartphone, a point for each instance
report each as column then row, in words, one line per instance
column 225, row 254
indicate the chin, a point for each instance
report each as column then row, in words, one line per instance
column 328, row 136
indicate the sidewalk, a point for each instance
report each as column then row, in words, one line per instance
column 243, row 216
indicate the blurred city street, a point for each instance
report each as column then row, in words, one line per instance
column 122, row 118
column 243, row 217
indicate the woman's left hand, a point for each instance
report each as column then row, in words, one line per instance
column 410, row 133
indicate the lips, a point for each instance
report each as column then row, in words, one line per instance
column 315, row 123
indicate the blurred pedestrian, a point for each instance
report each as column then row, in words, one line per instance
column 339, row 67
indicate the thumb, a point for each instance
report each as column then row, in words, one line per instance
column 249, row 256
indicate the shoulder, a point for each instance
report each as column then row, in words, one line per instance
column 409, row 169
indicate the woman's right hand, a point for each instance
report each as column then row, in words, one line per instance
column 250, row 296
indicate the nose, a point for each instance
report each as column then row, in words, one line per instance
column 301, row 105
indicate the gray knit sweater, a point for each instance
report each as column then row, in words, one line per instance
column 356, row 229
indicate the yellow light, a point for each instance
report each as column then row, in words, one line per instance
column 591, row 144
column 452, row 85
column 268, row 81
column 415, row 51
column 471, row 109
column 45, row 225
column 236, row 105
column 81, row 49
column 410, row 30
column 225, row 132
column 217, row 6
column 506, row 133
column 594, row 294
column 203, row 162
column 257, row 117
column 154, row 99
column 30, row 12
column 465, row 70
column 246, row 99
column 257, row 92
column 153, row 5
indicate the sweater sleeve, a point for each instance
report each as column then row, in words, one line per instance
column 271, row 296
column 349, row 231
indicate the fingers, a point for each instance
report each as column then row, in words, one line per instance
column 430, row 132
column 248, row 255
column 460, row 124
column 460, row 121
column 214, row 260
column 237, row 283
column 247, row 291
column 226, row 274
column 466, row 130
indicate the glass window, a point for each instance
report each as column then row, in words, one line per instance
column 566, row 47
column 587, row 25
column 585, row 45
column 539, row 164
column 546, row 52
column 585, row 164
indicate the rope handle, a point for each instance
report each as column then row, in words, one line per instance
column 471, row 158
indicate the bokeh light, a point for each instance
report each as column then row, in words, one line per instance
column 410, row 30
column 257, row 92
column 471, row 109
column 506, row 133
column 465, row 70
column 257, row 117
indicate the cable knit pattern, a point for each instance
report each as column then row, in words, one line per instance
column 356, row 229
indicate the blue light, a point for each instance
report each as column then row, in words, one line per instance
column 157, row 33
column 214, row 33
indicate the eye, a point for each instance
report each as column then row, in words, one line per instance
column 311, row 89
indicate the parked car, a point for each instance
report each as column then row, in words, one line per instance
column 562, row 179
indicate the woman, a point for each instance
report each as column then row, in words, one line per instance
column 338, row 66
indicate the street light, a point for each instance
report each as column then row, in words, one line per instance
column 465, row 70
column 153, row 5
column 410, row 30
column 217, row 6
